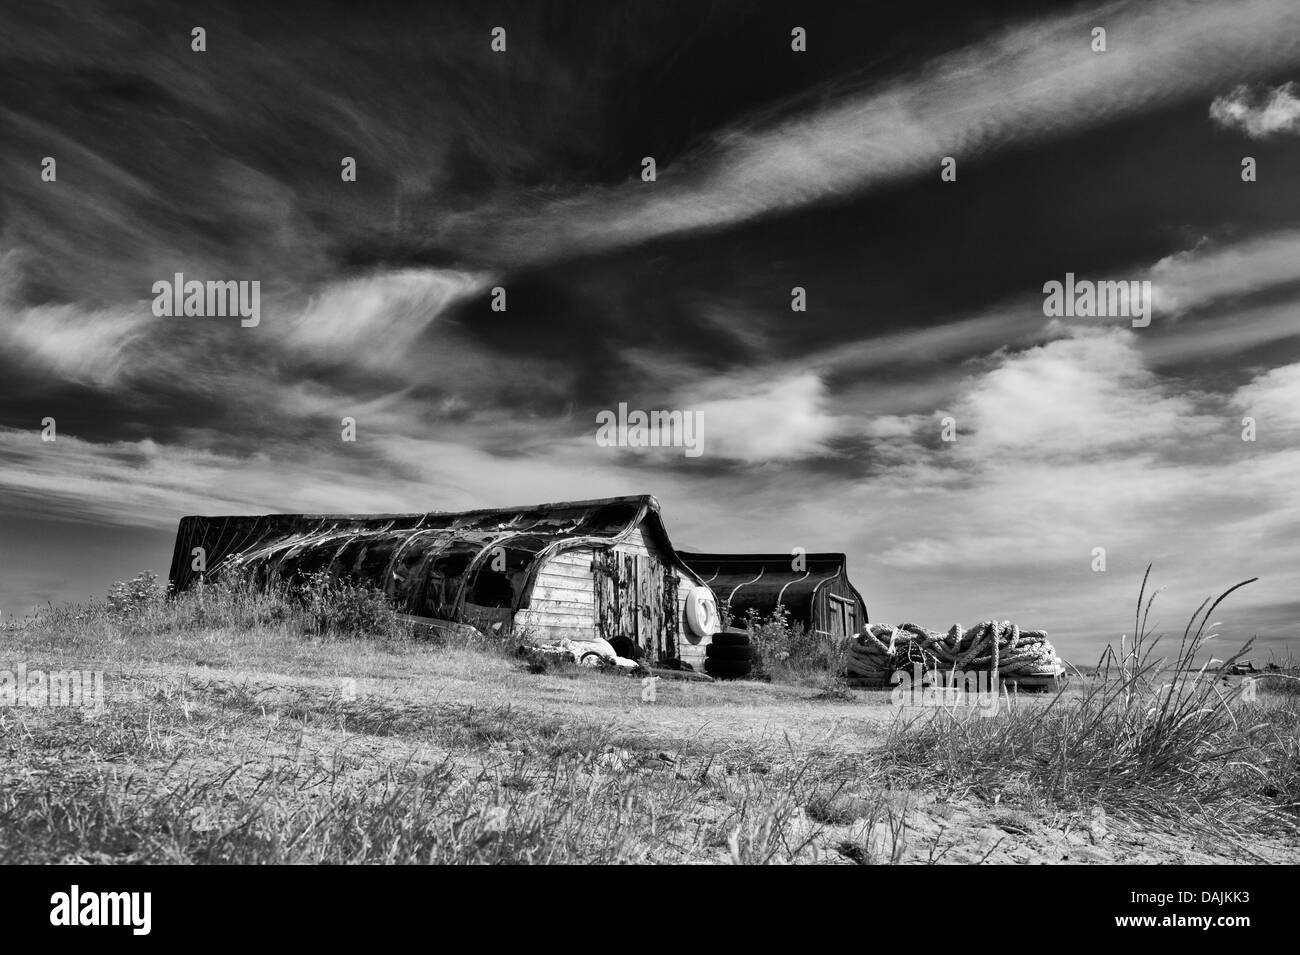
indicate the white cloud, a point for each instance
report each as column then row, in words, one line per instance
column 1084, row 395
column 1088, row 394
column 764, row 420
column 1273, row 400
column 1259, row 114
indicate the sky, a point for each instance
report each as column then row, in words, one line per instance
column 819, row 169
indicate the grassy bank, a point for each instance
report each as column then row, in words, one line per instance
column 246, row 727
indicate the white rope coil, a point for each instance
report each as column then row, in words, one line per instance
column 990, row 645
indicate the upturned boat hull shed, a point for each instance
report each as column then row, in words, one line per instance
column 577, row 569
column 814, row 589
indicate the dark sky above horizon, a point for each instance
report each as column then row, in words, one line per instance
column 776, row 169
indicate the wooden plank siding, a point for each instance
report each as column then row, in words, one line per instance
column 563, row 600
column 636, row 597
column 824, row 615
column 690, row 648
column 632, row 589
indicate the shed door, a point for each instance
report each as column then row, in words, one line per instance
column 636, row 597
column 843, row 616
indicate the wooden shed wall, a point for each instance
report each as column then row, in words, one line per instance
column 838, row 587
column 690, row 648
column 563, row 602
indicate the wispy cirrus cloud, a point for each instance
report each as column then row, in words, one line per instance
column 1030, row 81
column 1213, row 271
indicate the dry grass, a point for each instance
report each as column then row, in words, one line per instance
column 1151, row 738
column 221, row 772
column 491, row 786
column 240, row 730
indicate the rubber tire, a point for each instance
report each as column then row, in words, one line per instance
column 723, row 652
column 724, row 639
column 727, row 669
column 702, row 617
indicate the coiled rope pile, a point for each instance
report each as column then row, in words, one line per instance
column 1003, row 647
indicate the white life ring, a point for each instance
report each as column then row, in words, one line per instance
column 702, row 612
